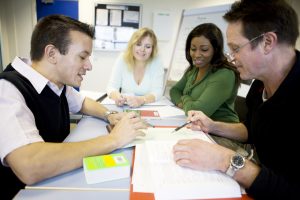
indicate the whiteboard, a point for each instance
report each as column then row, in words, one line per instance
column 189, row 20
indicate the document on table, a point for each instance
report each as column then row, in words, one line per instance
column 163, row 101
column 165, row 111
column 141, row 177
column 154, row 164
column 157, row 134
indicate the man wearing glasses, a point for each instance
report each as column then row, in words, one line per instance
column 261, row 36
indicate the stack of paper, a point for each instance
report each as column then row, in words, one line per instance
column 106, row 168
column 156, row 172
column 170, row 181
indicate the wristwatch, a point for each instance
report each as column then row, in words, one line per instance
column 109, row 112
column 236, row 162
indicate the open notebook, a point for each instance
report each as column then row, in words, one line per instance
column 156, row 172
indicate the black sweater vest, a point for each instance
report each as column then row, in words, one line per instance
column 51, row 114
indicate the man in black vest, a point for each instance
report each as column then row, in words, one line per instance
column 36, row 98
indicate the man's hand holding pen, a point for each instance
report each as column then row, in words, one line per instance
column 199, row 121
column 190, row 121
column 180, row 127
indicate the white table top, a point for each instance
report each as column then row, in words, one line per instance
column 70, row 194
column 87, row 128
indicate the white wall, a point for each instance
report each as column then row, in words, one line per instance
column 296, row 6
column 102, row 61
column 97, row 79
column 17, row 19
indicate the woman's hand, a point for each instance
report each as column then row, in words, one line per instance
column 134, row 101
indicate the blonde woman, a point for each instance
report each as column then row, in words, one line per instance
column 138, row 72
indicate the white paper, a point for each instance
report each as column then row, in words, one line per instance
column 131, row 16
column 103, row 45
column 104, row 33
column 165, row 111
column 141, row 177
column 161, row 134
column 123, row 34
column 115, row 17
column 170, row 111
column 163, row 101
column 102, row 17
column 171, row 181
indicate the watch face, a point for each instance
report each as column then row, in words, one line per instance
column 238, row 161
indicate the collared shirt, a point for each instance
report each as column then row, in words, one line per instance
column 17, row 122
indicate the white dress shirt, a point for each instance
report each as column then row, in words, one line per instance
column 17, row 123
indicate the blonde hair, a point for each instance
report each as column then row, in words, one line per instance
column 136, row 38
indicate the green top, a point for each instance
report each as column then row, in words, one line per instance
column 214, row 94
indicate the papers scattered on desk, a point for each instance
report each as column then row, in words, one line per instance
column 158, row 134
column 163, row 101
column 106, row 168
column 165, row 111
column 156, row 172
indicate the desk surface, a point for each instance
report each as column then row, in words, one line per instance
column 70, row 194
column 87, row 128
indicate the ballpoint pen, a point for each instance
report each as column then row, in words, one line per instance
column 180, row 127
column 109, row 127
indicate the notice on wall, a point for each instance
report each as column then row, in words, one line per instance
column 162, row 24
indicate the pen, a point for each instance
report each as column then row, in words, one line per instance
column 109, row 127
column 180, row 127
column 150, row 125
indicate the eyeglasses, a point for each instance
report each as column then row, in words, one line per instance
column 230, row 56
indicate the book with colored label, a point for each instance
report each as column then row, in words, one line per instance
column 145, row 113
column 106, row 168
